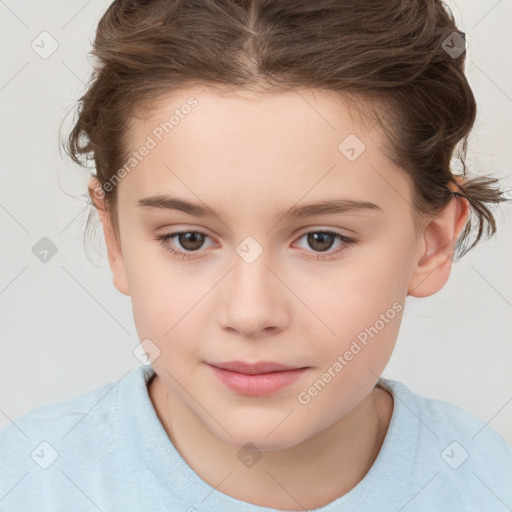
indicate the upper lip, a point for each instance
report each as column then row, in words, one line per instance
column 254, row 368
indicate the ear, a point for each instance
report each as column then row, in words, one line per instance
column 437, row 247
column 115, row 256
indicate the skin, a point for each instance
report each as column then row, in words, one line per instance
column 250, row 155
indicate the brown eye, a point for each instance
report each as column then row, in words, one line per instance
column 320, row 241
column 191, row 240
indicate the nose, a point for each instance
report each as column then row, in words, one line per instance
column 254, row 300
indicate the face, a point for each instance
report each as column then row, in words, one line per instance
column 323, row 290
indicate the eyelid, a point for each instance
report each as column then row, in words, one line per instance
column 346, row 242
column 321, row 229
column 298, row 234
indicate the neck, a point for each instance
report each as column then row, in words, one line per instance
column 334, row 460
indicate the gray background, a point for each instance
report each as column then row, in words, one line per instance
column 66, row 330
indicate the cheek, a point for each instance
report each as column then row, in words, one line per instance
column 167, row 309
column 362, row 342
column 350, row 367
column 363, row 295
column 162, row 290
column 164, row 313
column 363, row 309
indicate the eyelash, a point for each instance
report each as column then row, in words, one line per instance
column 320, row 256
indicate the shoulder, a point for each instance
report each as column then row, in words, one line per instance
column 469, row 461
column 57, row 416
column 445, row 417
column 43, row 435
column 62, row 450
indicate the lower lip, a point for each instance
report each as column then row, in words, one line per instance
column 258, row 385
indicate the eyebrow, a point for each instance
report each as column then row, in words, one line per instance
column 328, row 206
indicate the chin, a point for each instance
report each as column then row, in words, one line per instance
column 243, row 433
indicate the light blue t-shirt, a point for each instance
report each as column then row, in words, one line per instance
column 107, row 451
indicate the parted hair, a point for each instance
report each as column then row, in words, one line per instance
column 390, row 54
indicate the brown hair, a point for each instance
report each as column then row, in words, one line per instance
column 394, row 53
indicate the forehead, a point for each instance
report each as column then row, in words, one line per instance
column 222, row 110
column 257, row 146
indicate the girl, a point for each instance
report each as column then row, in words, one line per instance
column 231, row 140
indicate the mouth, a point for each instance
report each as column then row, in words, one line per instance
column 254, row 368
column 256, row 379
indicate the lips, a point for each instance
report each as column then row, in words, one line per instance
column 256, row 379
column 254, row 368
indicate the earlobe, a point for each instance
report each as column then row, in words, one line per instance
column 434, row 264
column 115, row 255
